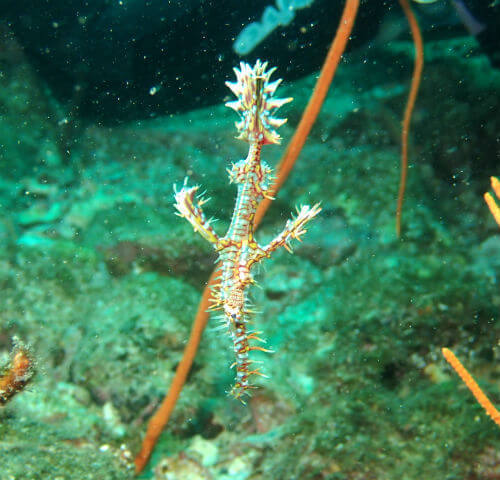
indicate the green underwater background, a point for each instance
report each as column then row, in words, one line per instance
column 102, row 280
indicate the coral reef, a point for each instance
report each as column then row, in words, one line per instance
column 106, row 286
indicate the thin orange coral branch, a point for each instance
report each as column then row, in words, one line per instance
column 160, row 418
column 471, row 384
column 315, row 102
column 415, row 83
column 490, row 201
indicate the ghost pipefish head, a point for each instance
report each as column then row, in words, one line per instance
column 255, row 103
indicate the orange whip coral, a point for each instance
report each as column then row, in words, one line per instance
column 315, row 102
column 471, row 384
column 415, row 83
column 490, row 201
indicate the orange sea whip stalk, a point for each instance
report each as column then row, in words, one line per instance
column 315, row 102
column 415, row 83
column 490, row 201
column 160, row 418
column 471, row 384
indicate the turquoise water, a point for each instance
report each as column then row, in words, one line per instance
column 102, row 280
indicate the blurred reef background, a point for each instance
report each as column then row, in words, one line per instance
column 101, row 278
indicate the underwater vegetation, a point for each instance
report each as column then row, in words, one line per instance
column 102, row 280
